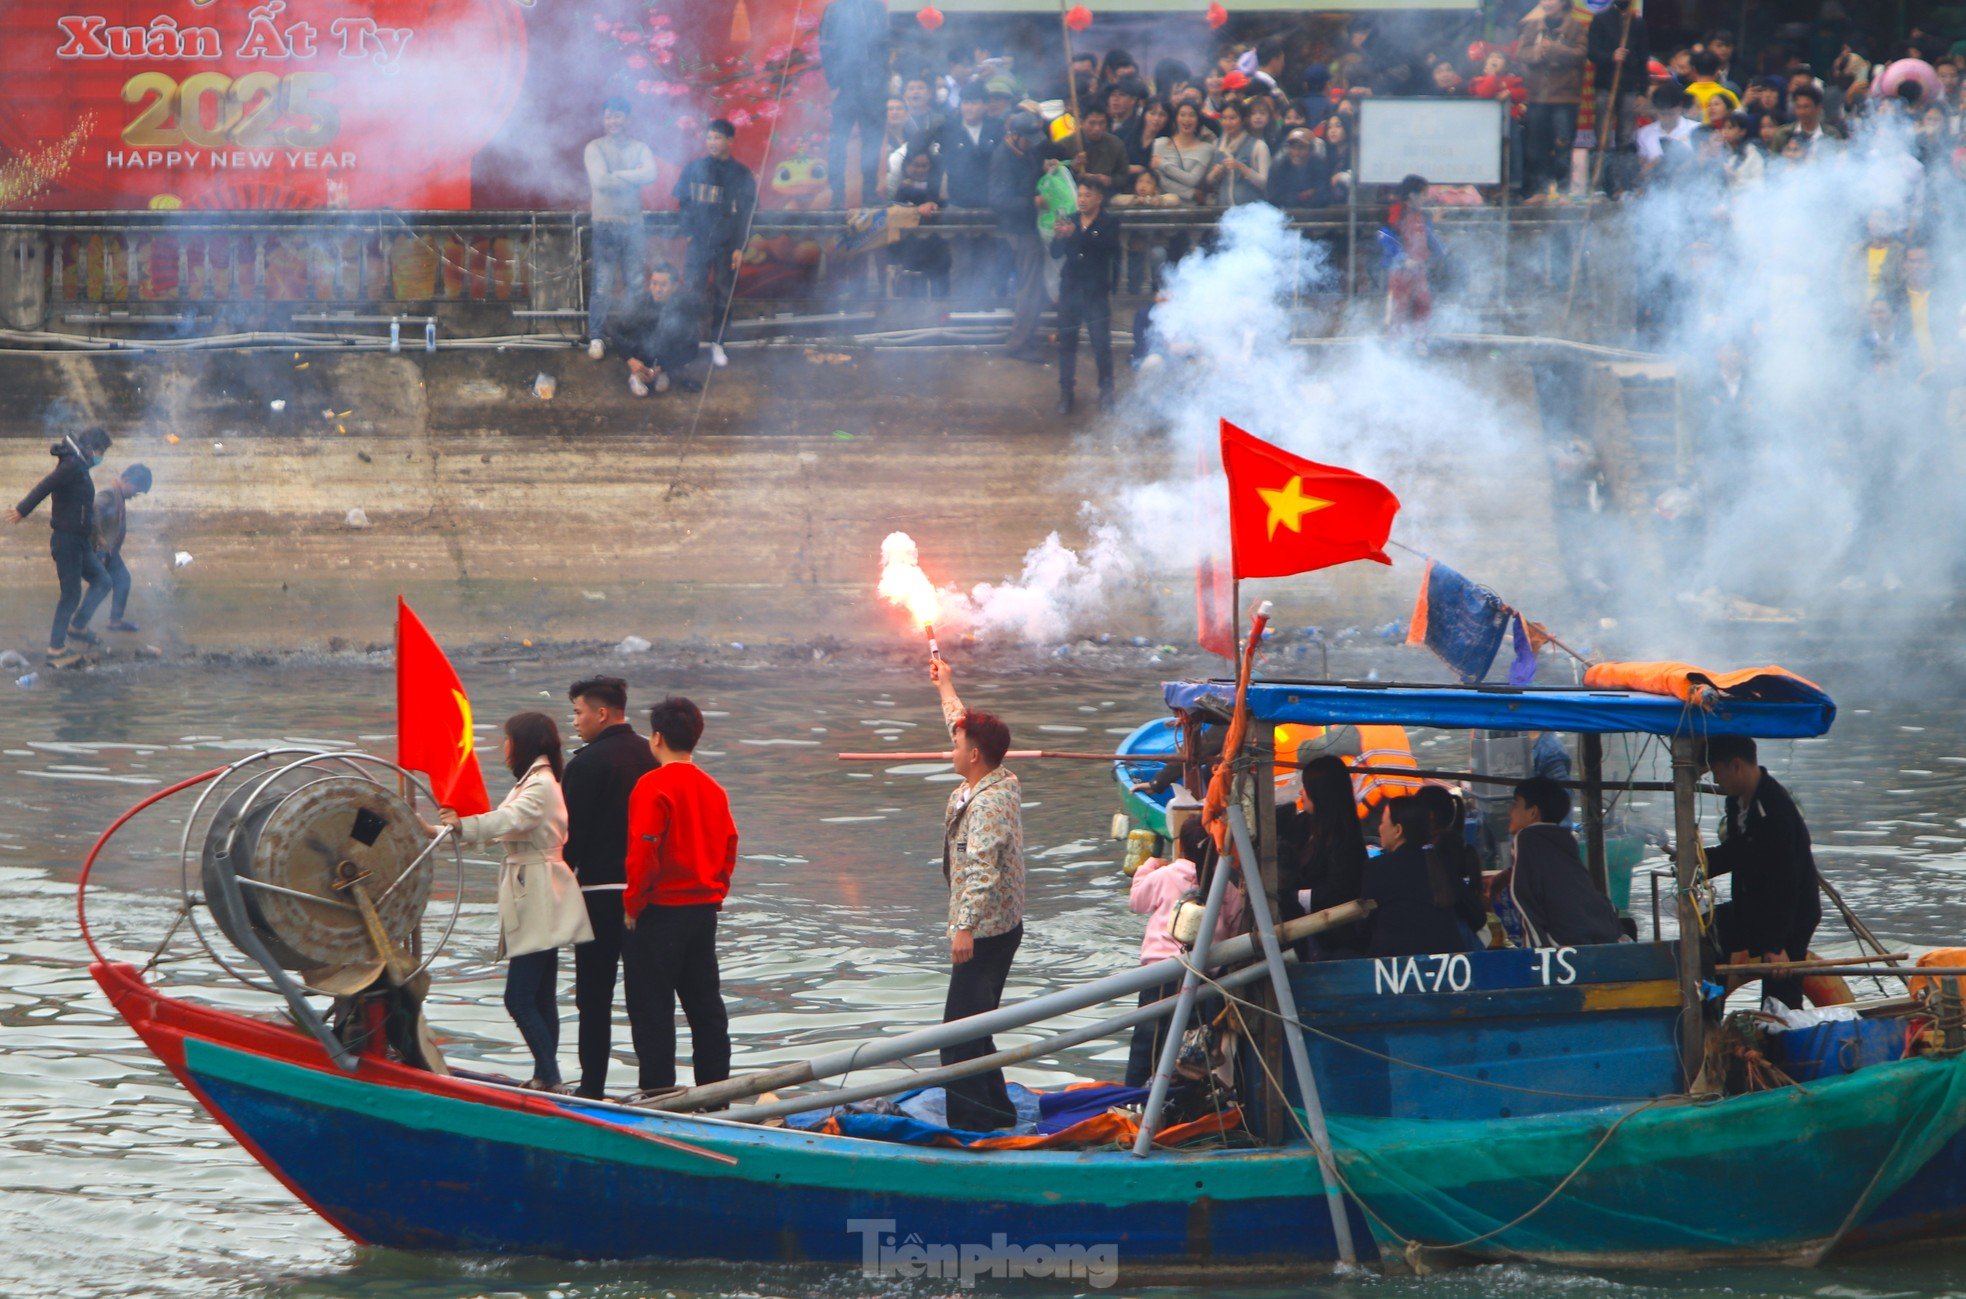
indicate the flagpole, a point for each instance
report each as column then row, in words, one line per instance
column 396, row 660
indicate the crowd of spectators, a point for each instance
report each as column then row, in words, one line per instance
column 1593, row 104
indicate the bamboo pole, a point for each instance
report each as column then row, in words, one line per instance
column 867, row 1055
column 1686, row 817
column 1293, row 1033
column 1005, row 1058
column 924, row 755
column 1813, row 963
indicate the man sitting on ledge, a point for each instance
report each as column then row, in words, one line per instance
column 658, row 336
column 1553, row 893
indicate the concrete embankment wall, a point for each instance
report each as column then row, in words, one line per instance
column 595, row 515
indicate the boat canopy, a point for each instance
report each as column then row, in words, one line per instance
column 1506, row 708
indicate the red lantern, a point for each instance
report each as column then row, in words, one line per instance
column 1078, row 18
column 929, row 17
column 1217, row 15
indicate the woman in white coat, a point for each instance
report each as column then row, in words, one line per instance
column 540, row 909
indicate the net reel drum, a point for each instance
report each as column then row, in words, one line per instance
column 320, row 869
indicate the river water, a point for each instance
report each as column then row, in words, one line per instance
column 116, row 1183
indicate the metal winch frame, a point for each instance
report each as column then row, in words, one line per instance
column 252, row 792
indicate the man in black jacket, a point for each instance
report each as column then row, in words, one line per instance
column 657, row 336
column 853, row 53
column 599, row 778
column 1088, row 250
column 71, row 494
column 1775, row 908
column 1014, row 171
column 715, row 196
column 1552, row 891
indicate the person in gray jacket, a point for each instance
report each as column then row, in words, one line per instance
column 618, row 166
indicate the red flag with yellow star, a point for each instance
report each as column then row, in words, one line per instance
column 1292, row 515
column 433, row 719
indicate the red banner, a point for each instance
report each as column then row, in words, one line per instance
column 412, row 104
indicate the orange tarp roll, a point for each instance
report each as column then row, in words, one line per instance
column 1944, row 956
column 1694, row 685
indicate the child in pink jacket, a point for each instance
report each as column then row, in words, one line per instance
column 1158, row 887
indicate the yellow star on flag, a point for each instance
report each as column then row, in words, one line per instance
column 1288, row 505
column 467, row 741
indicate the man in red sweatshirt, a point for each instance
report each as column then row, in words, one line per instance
column 682, row 847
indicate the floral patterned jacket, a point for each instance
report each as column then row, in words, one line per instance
column 983, row 849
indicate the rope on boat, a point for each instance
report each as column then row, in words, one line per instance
column 1412, row 1247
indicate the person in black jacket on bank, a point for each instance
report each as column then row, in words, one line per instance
column 715, row 196
column 1089, row 250
column 1775, row 909
column 598, row 780
column 71, row 496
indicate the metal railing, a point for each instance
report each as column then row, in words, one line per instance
column 191, row 273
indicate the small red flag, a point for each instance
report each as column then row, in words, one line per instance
column 433, row 719
column 1291, row 515
column 1215, row 607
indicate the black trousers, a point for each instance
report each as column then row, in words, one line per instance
column 595, row 965
column 671, row 955
column 981, row 1102
column 1096, row 314
column 1727, row 934
column 1150, row 1037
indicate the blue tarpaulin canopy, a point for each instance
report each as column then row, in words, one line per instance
column 1579, row 711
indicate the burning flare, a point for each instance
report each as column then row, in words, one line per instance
column 903, row 583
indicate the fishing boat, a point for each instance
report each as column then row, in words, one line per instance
column 1569, row 1105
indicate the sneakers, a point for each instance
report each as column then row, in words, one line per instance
column 717, row 357
column 662, row 381
column 596, row 349
column 123, row 624
column 636, row 386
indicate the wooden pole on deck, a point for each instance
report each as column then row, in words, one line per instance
column 1258, row 752
column 1593, row 755
column 1686, row 840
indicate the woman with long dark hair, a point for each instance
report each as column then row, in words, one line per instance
column 1447, row 815
column 1418, row 899
column 539, row 904
column 1332, row 861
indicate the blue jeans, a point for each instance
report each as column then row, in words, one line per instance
column 119, row 583
column 75, row 563
column 530, row 1000
column 619, row 248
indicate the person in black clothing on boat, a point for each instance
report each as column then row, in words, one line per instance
column 1089, row 249
column 1421, row 901
column 1766, row 849
column 1552, row 891
column 598, row 780
column 1322, row 850
column 71, row 496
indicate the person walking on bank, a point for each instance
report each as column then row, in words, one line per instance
column 71, row 495
column 112, row 523
column 715, row 196
column 539, row 905
column 682, row 848
column 600, row 778
column 1089, row 250
column 983, row 862
column 618, row 166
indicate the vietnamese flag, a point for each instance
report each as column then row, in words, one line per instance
column 433, row 719
column 1291, row 515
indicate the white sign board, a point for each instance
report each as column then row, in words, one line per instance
column 1448, row 141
